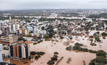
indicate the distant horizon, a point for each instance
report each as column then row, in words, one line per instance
column 53, row 9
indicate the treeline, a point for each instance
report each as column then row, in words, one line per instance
column 69, row 14
column 104, row 15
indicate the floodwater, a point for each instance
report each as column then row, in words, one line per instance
column 77, row 57
column 50, row 47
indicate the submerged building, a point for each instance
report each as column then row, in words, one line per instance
column 19, row 51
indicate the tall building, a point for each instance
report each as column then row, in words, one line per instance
column 14, row 26
column 5, row 30
column 23, row 31
column 19, row 50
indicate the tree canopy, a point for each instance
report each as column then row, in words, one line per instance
column 101, row 53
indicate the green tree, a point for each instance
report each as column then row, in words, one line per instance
column 29, row 35
column 27, row 20
column 56, row 53
column 50, row 62
column 33, row 53
column 100, row 64
column 97, row 39
column 104, row 34
column 43, row 28
column 91, row 40
column 101, row 59
column 54, row 58
column 42, row 19
column 101, row 53
column 46, row 36
column 92, row 62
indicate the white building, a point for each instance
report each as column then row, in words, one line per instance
column 1, row 59
column 38, row 30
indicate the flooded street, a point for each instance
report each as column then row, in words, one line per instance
column 46, row 46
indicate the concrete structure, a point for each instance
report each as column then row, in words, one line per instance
column 5, row 30
column 14, row 26
column 23, row 31
column 30, row 28
column 57, row 22
column 1, row 59
column 9, row 39
column 19, row 50
column 1, row 47
column 38, row 30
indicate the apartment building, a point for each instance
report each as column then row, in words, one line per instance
column 9, row 39
column 23, row 30
column 19, row 50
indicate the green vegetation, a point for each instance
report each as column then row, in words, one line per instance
column 91, row 40
column 37, row 57
column 91, row 36
column 5, row 48
column 69, row 48
column 93, row 44
column 69, row 60
column 29, row 35
column 34, row 43
column 101, row 53
column 50, row 62
column 92, row 51
column 83, row 49
column 56, row 53
column 33, row 53
column 54, row 58
column 50, row 31
column 104, row 34
column 40, row 53
column 97, row 39
column 27, row 20
column 46, row 36
column 100, row 60
column 104, row 15
column 78, row 44
column 61, row 37
column 78, row 47
column 42, row 19
column 69, row 14
column 101, row 64
column 43, row 28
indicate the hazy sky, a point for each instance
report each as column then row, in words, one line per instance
column 52, row 4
